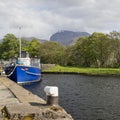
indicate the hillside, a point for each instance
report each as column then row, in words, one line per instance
column 30, row 38
column 67, row 37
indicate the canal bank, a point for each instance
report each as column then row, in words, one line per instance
column 18, row 103
column 56, row 69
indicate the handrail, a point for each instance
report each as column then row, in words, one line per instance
column 12, row 71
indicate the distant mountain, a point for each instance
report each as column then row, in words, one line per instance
column 67, row 37
column 31, row 38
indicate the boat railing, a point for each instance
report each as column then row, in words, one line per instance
column 35, row 62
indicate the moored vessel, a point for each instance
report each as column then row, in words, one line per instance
column 24, row 69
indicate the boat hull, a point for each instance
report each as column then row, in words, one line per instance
column 24, row 74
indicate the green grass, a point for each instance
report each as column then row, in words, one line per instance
column 90, row 71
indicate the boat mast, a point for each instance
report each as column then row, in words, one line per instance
column 20, row 42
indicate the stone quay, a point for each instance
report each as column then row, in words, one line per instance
column 17, row 103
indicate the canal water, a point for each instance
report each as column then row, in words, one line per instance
column 84, row 97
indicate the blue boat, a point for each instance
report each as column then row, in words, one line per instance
column 24, row 70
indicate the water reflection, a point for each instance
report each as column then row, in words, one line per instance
column 84, row 97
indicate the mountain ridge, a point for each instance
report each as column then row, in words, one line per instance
column 66, row 37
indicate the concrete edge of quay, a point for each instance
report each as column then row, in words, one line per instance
column 17, row 103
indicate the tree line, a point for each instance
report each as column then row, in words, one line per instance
column 96, row 50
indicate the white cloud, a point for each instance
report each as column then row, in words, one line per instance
column 42, row 18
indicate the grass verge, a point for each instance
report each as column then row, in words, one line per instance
column 89, row 71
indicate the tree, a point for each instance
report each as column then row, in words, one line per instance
column 101, row 45
column 115, row 48
column 92, row 51
column 25, row 44
column 34, row 48
column 1, row 50
column 71, row 56
column 10, row 47
column 52, row 52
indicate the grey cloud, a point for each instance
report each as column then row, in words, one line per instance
column 41, row 18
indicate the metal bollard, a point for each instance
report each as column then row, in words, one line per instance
column 51, row 95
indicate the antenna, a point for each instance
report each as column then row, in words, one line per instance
column 20, row 42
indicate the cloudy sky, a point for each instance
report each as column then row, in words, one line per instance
column 42, row 18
